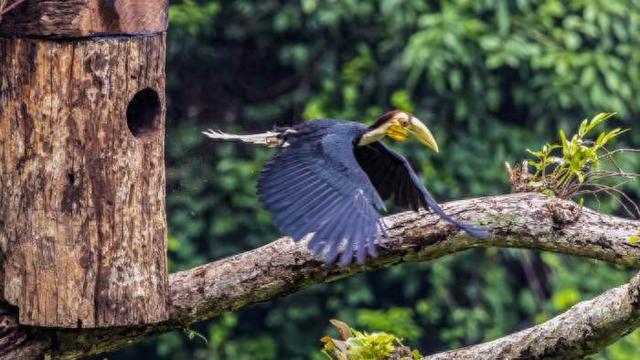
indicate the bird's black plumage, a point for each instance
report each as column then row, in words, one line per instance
column 322, row 182
column 393, row 177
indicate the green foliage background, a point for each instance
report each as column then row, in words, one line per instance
column 491, row 78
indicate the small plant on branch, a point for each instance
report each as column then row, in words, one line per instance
column 577, row 166
column 358, row 345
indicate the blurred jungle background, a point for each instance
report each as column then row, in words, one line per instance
column 491, row 78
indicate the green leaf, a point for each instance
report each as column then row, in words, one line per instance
column 343, row 328
column 565, row 298
column 192, row 334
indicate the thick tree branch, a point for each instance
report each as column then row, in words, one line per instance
column 282, row 267
column 582, row 330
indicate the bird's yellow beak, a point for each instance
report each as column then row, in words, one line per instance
column 415, row 127
column 422, row 132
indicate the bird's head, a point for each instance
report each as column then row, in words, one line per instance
column 398, row 125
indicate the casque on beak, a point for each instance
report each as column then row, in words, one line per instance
column 420, row 131
column 399, row 125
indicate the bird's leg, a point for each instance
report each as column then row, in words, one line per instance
column 269, row 139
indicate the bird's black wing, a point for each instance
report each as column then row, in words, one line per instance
column 318, row 186
column 393, row 177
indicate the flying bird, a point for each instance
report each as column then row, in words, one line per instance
column 331, row 178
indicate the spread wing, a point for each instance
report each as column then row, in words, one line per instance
column 319, row 187
column 393, row 177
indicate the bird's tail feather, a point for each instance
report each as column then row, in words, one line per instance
column 474, row 231
column 269, row 138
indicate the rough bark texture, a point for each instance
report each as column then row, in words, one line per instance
column 80, row 18
column 523, row 221
column 82, row 211
column 582, row 330
column 283, row 267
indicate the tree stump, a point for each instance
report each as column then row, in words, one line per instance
column 82, row 184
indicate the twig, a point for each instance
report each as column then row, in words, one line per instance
column 2, row 4
column 609, row 155
column 5, row 9
column 616, row 193
column 630, row 201
column 617, row 151
column 613, row 191
column 601, row 174
column 600, row 187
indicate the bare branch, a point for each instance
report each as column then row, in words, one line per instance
column 629, row 205
column 603, row 174
column 617, row 151
column 283, row 267
column 583, row 330
column 4, row 8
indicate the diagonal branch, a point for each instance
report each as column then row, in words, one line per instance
column 283, row 267
column 583, row 330
column 5, row 8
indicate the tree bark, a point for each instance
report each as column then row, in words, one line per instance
column 283, row 267
column 582, row 330
column 82, row 18
column 82, row 208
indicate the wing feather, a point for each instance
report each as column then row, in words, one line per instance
column 287, row 196
column 295, row 213
column 403, row 183
column 319, row 187
column 334, row 234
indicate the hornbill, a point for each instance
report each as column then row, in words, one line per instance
column 330, row 178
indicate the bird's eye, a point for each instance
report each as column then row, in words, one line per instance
column 404, row 123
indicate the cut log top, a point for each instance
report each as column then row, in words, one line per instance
column 85, row 18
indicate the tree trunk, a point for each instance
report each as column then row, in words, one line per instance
column 80, row 18
column 82, row 208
